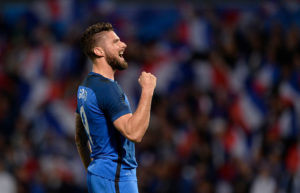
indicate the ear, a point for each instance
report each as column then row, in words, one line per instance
column 99, row 51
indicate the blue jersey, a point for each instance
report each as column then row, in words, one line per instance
column 100, row 101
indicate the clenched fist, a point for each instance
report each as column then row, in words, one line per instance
column 147, row 81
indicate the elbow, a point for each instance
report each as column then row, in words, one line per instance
column 135, row 138
column 77, row 141
column 135, row 134
column 138, row 140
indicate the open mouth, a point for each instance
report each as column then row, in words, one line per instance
column 121, row 54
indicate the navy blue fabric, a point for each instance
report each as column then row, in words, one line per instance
column 101, row 101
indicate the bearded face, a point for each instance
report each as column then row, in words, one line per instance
column 113, row 49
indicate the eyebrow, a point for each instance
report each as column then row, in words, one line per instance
column 116, row 40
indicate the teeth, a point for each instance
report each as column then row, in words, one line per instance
column 121, row 53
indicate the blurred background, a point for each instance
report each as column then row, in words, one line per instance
column 225, row 115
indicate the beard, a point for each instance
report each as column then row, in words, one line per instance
column 115, row 63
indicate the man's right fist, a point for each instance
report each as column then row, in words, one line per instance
column 147, row 81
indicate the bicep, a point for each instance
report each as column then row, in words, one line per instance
column 121, row 122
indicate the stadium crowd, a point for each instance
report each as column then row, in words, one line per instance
column 225, row 115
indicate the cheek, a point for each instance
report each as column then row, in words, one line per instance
column 111, row 50
column 107, row 52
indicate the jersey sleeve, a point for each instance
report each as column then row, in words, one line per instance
column 113, row 102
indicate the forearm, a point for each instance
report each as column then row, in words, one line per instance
column 81, row 141
column 84, row 152
column 134, row 126
column 139, row 121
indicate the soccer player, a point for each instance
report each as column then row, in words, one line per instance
column 106, row 129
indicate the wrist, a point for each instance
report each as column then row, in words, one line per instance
column 147, row 91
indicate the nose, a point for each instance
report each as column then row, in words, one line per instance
column 123, row 45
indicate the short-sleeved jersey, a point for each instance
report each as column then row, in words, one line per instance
column 101, row 101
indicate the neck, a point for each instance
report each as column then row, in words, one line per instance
column 103, row 68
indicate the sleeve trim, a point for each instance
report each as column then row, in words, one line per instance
column 120, row 114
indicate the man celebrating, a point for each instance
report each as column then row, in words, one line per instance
column 106, row 129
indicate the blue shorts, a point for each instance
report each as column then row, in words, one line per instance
column 97, row 184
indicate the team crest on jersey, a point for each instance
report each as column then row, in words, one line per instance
column 82, row 94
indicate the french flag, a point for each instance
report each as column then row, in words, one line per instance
column 248, row 110
column 164, row 67
column 290, row 98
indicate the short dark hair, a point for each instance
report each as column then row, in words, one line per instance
column 88, row 40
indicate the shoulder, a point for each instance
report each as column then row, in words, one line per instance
column 98, row 84
column 105, row 89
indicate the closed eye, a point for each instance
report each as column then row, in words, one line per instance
column 116, row 40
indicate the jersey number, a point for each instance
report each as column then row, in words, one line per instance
column 85, row 123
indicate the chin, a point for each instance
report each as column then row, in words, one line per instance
column 123, row 65
column 117, row 63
